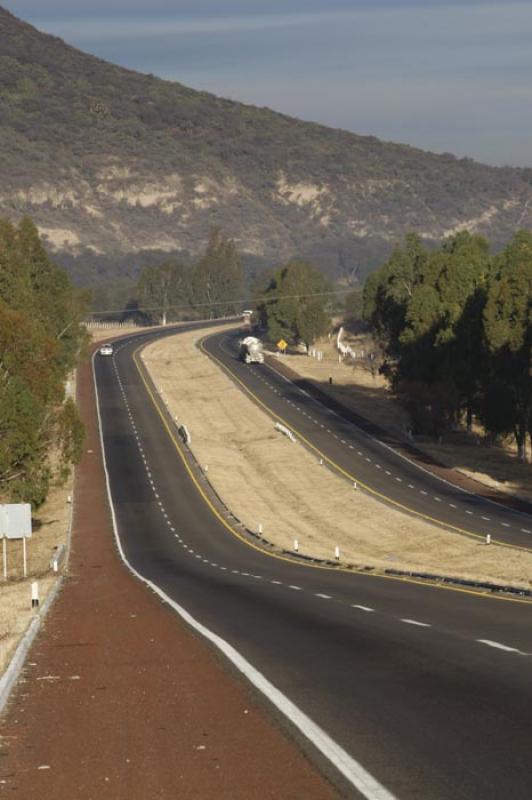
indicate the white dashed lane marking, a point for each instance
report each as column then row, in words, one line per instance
column 416, row 622
column 320, row 595
column 499, row 646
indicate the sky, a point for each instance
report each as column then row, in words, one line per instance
column 444, row 75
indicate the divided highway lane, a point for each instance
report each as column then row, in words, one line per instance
column 429, row 690
column 390, row 475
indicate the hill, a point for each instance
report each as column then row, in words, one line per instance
column 111, row 163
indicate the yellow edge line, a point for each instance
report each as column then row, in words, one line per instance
column 277, row 556
column 348, row 475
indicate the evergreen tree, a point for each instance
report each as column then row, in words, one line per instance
column 162, row 287
column 218, row 277
column 294, row 306
column 40, row 337
column 425, row 307
column 508, row 331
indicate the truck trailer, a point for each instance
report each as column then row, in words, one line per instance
column 251, row 350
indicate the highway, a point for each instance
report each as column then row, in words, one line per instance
column 390, row 476
column 427, row 690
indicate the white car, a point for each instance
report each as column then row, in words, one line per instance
column 106, row 350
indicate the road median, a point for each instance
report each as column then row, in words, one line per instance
column 278, row 488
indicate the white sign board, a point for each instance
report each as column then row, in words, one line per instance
column 15, row 520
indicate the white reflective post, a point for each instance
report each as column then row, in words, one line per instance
column 34, row 594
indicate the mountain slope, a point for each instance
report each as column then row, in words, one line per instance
column 109, row 161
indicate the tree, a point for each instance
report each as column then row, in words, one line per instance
column 162, row 287
column 294, row 305
column 508, row 330
column 353, row 307
column 218, row 276
column 426, row 310
column 40, row 338
column 388, row 292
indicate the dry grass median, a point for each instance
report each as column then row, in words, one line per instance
column 266, row 479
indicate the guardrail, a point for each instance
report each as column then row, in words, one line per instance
column 284, row 430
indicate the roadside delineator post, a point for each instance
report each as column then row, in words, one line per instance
column 354, row 484
column 296, row 545
column 488, row 538
column 260, row 527
column 337, row 553
column 34, row 594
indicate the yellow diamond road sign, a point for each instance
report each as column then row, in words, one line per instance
column 282, row 345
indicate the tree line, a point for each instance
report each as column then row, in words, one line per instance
column 455, row 325
column 291, row 301
column 211, row 286
column 41, row 333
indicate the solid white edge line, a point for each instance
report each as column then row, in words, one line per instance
column 354, row 772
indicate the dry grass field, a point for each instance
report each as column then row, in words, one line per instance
column 266, row 479
column 50, row 530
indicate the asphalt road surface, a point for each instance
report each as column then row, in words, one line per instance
column 370, row 461
column 427, row 690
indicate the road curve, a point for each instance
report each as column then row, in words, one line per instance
column 387, row 473
column 427, row 690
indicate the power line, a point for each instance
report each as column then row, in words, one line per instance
column 239, row 301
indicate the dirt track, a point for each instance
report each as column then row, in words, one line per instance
column 120, row 700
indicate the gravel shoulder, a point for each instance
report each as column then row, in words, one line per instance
column 267, row 480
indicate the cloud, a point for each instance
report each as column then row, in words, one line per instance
column 413, row 19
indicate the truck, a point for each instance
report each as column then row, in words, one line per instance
column 246, row 319
column 251, row 350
